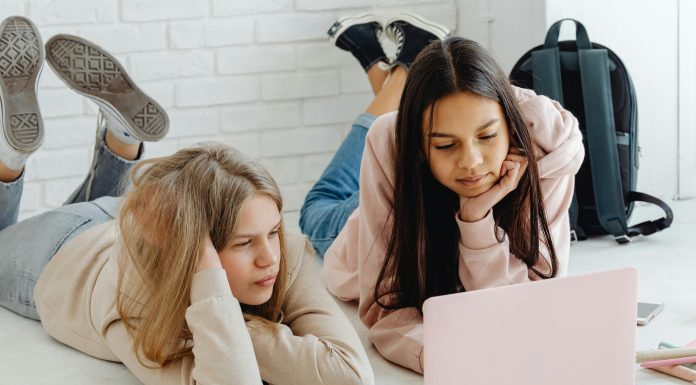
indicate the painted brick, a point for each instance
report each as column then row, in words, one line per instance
column 283, row 170
column 354, row 80
column 164, row 147
column 323, row 55
column 291, row 219
column 300, row 141
column 391, row 3
column 293, row 86
column 123, row 38
column 211, row 33
column 49, row 79
column 228, row 32
column 44, row 12
column 249, row 144
column 162, row 92
column 314, row 165
column 12, row 8
column 61, row 163
column 60, row 102
column 55, row 192
column 148, row 10
column 31, row 197
column 445, row 14
column 216, row 91
column 241, row 7
column 337, row 109
column 260, row 116
column 197, row 123
column 294, row 195
column 293, row 27
column 171, row 64
column 321, row 5
column 69, row 132
column 251, row 59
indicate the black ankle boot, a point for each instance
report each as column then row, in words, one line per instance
column 359, row 35
column 411, row 33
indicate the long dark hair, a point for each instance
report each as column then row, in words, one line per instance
column 422, row 254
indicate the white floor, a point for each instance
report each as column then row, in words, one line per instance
column 667, row 272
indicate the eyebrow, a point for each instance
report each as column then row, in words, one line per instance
column 253, row 235
column 489, row 123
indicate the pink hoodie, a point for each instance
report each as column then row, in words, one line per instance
column 353, row 262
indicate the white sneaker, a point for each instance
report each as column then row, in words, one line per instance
column 21, row 61
column 130, row 114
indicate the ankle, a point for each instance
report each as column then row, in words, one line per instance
column 128, row 151
column 8, row 175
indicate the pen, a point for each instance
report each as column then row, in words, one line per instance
column 667, row 345
column 679, row 372
column 670, row 362
column 664, row 354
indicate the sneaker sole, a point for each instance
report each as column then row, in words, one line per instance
column 343, row 23
column 436, row 29
column 91, row 71
column 21, row 60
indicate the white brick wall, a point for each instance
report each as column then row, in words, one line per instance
column 257, row 74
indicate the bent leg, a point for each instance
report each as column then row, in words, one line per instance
column 335, row 195
column 29, row 245
column 108, row 174
column 10, row 194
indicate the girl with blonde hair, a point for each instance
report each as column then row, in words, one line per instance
column 193, row 280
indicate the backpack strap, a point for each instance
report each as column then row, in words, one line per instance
column 601, row 142
column 649, row 227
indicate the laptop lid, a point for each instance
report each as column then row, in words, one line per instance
column 575, row 330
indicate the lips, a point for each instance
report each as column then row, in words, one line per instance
column 267, row 281
column 470, row 181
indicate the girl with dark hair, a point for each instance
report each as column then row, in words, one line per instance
column 466, row 186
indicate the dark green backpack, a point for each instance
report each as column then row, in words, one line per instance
column 590, row 81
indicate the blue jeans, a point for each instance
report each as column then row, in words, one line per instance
column 26, row 247
column 335, row 195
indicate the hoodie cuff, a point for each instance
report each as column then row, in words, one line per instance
column 209, row 284
column 477, row 235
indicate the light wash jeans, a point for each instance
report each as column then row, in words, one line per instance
column 26, row 247
column 335, row 195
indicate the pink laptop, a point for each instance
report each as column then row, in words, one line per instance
column 575, row 330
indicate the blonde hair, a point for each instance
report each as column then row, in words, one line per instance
column 174, row 201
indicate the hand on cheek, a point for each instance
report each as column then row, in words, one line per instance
column 511, row 171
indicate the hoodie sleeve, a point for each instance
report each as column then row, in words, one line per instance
column 352, row 264
column 485, row 262
column 315, row 344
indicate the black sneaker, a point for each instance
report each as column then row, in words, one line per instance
column 21, row 60
column 359, row 35
column 411, row 33
column 91, row 71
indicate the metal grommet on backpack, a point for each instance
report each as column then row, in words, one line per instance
column 590, row 81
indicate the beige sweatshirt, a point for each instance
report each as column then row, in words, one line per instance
column 353, row 262
column 314, row 344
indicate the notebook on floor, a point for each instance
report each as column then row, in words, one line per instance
column 575, row 330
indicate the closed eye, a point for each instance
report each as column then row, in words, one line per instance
column 445, row 146
column 242, row 244
column 489, row 137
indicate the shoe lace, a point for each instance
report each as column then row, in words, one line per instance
column 399, row 34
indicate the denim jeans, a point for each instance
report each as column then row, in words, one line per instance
column 26, row 247
column 335, row 195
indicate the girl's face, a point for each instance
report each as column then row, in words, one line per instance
column 251, row 257
column 468, row 142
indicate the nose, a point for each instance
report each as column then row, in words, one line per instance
column 267, row 254
column 469, row 157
